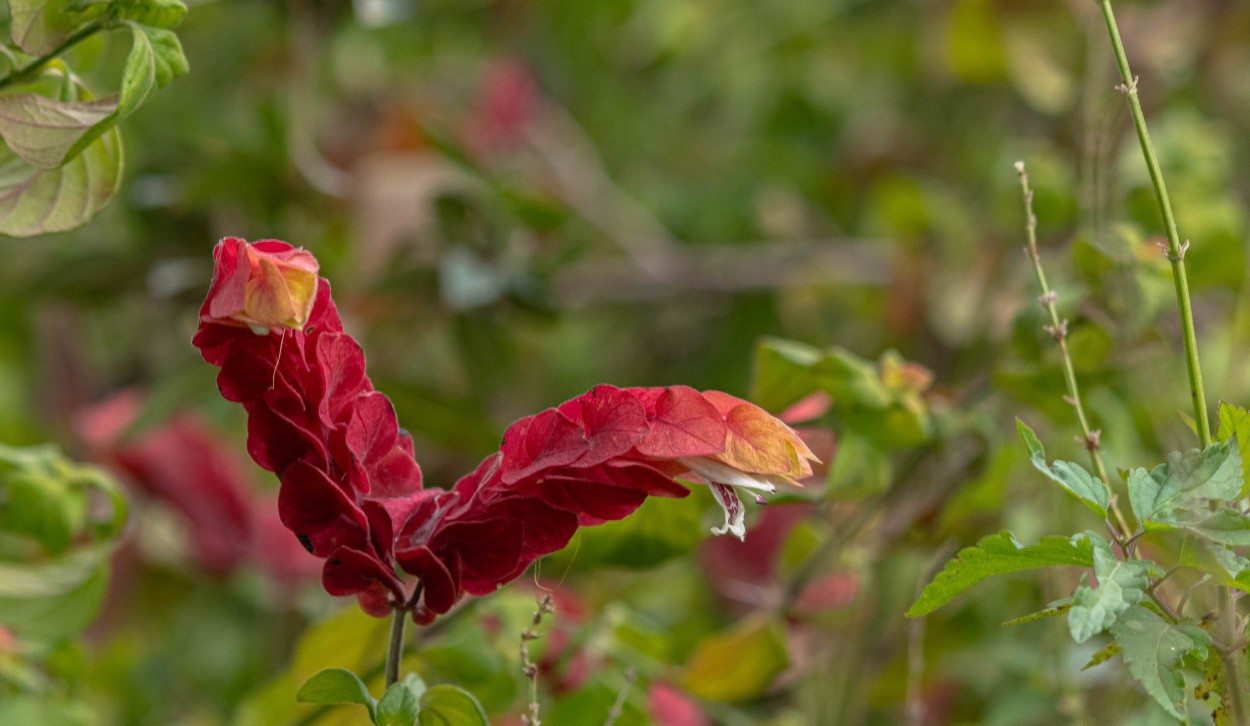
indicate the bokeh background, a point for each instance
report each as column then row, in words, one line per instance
column 518, row 200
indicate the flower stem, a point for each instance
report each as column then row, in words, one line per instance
column 1176, row 250
column 28, row 71
column 1234, row 662
column 395, row 651
column 1058, row 330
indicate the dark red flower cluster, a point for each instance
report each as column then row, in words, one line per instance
column 352, row 491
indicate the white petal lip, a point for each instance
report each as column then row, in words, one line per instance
column 735, row 514
column 714, row 471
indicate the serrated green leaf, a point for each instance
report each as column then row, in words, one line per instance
column 39, row 26
column 1235, row 422
column 337, row 685
column 398, row 706
column 1109, row 651
column 1121, row 584
column 451, row 706
column 1072, row 477
column 739, row 664
column 1178, row 492
column 999, row 554
column 36, row 201
column 1226, row 526
column 1227, row 567
column 1153, row 650
column 1059, row 608
column 153, row 13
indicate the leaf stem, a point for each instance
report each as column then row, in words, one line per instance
column 28, row 71
column 1176, row 250
column 1058, row 329
column 1234, row 659
column 395, row 651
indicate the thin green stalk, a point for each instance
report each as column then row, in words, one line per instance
column 28, row 71
column 1233, row 660
column 395, row 651
column 1176, row 250
column 1058, row 330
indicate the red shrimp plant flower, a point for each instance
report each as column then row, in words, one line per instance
column 351, row 489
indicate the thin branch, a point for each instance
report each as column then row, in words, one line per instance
column 1175, row 249
column 1058, row 329
column 545, row 606
column 618, row 707
column 28, row 71
column 395, row 651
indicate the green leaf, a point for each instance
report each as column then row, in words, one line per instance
column 738, row 664
column 1153, row 651
column 155, row 59
column 782, row 374
column 1121, row 584
column 1235, row 421
column 1227, row 567
column 153, row 13
column 1058, row 608
column 1072, row 477
column 54, row 599
column 999, row 554
column 451, row 706
column 1227, row 526
column 39, row 26
column 36, row 201
column 661, row 530
column 337, row 685
column 1178, row 493
column 398, row 706
column 42, row 507
column 1109, row 651
column 42, row 131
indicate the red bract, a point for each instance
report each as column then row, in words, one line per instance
column 352, row 491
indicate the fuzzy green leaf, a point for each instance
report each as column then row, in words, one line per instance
column 337, row 685
column 1153, row 651
column 1072, row 477
column 1178, row 492
column 451, row 706
column 1226, row 526
column 1121, row 584
column 999, row 554
column 1227, row 567
column 1235, row 421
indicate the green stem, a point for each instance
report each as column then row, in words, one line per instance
column 1176, row 250
column 395, row 651
column 28, row 71
column 1058, row 330
column 1234, row 659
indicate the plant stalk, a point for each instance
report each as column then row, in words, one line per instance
column 395, row 651
column 1176, row 250
column 28, row 71
column 1058, row 330
column 1233, row 660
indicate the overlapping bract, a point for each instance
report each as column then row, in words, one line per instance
column 352, row 491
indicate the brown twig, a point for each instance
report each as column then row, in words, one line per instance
column 545, row 606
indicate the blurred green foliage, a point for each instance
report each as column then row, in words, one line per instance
column 515, row 201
